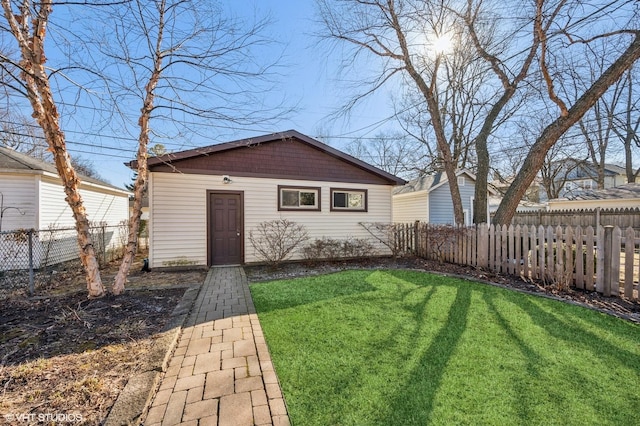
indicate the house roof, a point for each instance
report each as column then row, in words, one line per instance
column 421, row 183
column 629, row 190
column 11, row 160
column 173, row 161
column 431, row 182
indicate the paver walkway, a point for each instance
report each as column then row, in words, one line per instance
column 221, row 371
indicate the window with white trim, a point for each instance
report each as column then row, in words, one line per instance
column 348, row 199
column 298, row 198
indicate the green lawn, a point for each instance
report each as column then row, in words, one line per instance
column 409, row 348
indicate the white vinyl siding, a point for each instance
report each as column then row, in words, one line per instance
column 178, row 205
column 411, row 207
column 102, row 205
column 19, row 190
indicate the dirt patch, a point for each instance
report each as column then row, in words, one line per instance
column 64, row 355
column 618, row 306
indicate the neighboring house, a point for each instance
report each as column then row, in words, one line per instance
column 583, row 176
column 205, row 202
column 534, row 194
column 33, row 196
column 428, row 199
column 622, row 196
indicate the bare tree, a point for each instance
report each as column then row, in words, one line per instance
column 528, row 53
column 627, row 122
column 27, row 22
column 188, row 65
column 395, row 153
column 405, row 39
column 572, row 31
column 467, row 93
column 23, row 135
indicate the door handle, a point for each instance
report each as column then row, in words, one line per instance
column 238, row 233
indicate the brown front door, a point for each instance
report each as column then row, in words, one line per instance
column 225, row 228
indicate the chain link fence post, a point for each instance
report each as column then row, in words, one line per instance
column 32, row 287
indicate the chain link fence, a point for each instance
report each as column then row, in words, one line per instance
column 30, row 258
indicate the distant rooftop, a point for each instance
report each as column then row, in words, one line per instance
column 629, row 190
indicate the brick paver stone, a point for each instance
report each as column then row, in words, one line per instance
column 218, row 383
column 236, row 410
column 200, row 409
column 249, row 384
column 173, row 415
column 261, row 415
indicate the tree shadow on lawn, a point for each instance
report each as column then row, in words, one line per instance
column 295, row 292
column 412, row 366
column 415, row 399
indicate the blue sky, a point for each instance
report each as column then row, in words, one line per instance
column 308, row 81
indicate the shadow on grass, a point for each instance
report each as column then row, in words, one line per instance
column 415, row 399
column 401, row 351
column 286, row 294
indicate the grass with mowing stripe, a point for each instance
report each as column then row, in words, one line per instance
column 405, row 347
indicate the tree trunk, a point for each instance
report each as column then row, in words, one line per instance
column 552, row 133
column 429, row 93
column 140, row 184
column 45, row 112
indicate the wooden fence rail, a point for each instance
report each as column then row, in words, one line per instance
column 623, row 218
column 605, row 259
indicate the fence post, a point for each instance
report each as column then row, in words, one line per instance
column 608, row 245
column 104, row 244
column 31, row 283
column 416, row 238
column 629, row 246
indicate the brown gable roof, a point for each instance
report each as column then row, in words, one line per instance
column 285, row 155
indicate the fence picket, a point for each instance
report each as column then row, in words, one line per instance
column 579, row 257
column 541, row 256
column 589, row 258
column 616, row 249
column 600, row 265
column 629, row 255
column 559, row 255
column 503, row 252
column 518, row 251
column 549, row 248
column 525, row 251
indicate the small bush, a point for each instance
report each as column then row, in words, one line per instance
column 329, row 248
column 275, row 240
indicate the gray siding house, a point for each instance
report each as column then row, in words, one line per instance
column 428, row 199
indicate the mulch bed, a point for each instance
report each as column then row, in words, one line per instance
column 71, row 356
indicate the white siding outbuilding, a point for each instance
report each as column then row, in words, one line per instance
column 33, row 196
column 188, row 191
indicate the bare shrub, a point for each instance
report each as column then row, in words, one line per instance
column 332, row 249
column 385, row 233
column 275, row 240
column 441, row 238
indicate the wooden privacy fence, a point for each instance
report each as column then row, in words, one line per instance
column 604, row 259
column 623, row 218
